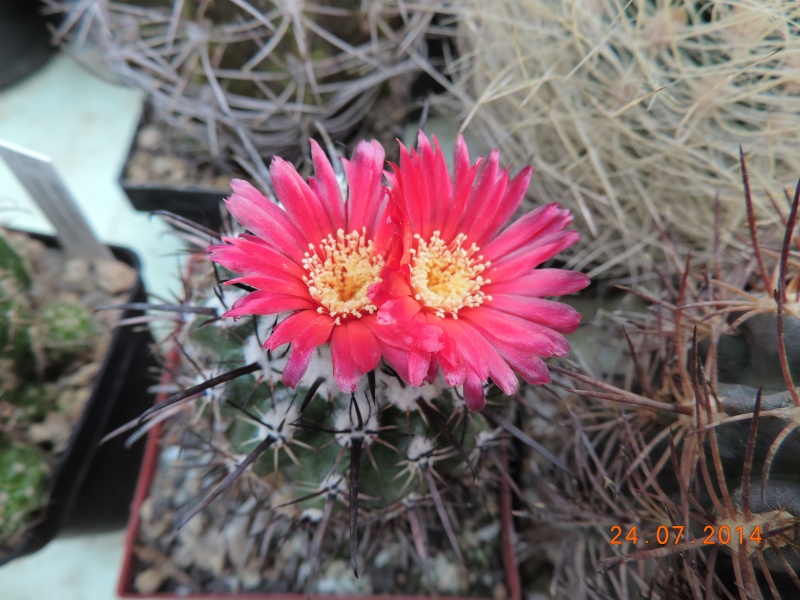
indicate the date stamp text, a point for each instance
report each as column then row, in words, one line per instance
column 674, row 534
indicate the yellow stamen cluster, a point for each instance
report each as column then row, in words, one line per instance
column 340, row 271
column 447, row 278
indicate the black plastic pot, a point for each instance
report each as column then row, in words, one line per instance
column 92, row 485
column 201, row 205
column 24, row 40
column 197, row 203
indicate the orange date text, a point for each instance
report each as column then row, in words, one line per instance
column 673, row 534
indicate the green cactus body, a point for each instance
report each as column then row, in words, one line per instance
column 23, row 490
column 16, row 319
column 65, row 329
column 302, row 456
column 13, row 266
column 33, row 398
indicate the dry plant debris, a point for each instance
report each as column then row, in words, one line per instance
column 687, row 476
column 633, row 113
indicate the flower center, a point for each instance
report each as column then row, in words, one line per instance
column 340, row 271
column 447, row 278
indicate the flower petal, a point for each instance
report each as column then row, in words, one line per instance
column 541, row 282
column 483, row 198
column 296, row 366
column 365, row 196
column 365, row 349
column 474, row 355
column 531, row 256
column 463, row 177
column 301, row 203
column 287, row 285
column 393, row 284
column 506, row 206
column 540, row 222
column 557, row 315
column 388, row 234
column 529, row 366
column 474, row 394
column 266, row 219
column 482, row 358
column 246, row 255
column 412, row 367
column 326, row 186
column 398, row 311
column 410, row 187
column 354, row 351
column 438, row 182
column 304, row 329
column 345, row 371
column 421, row 333
column 508, row 330
column 264, row 302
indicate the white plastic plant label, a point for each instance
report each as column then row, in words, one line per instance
column 38, row 175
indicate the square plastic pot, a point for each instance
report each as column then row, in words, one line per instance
column 195, row 202
column 92, row 485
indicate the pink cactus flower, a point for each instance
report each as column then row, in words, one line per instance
column 464, row 273
column 313, row 260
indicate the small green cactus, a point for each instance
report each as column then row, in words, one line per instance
column 33, row 398
column 23, row 487
column 12, row 266
column 16, row 313
column 65, row 329
column 16, row 319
